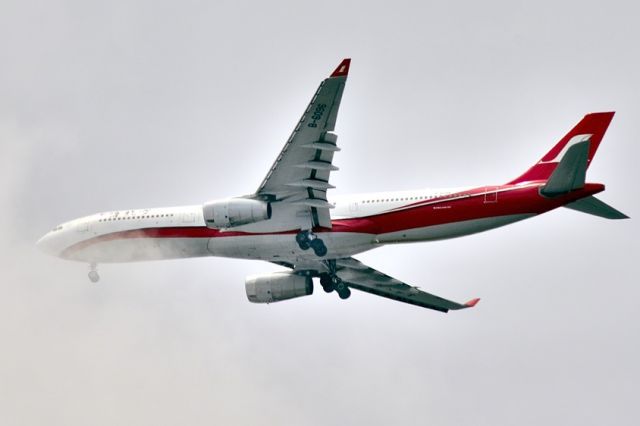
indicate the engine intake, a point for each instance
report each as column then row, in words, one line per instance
column 277, row 286
column 220, row 214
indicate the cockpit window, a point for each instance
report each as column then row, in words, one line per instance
column 57, row 228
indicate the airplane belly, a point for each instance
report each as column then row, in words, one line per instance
column 283, row 247
column 138, row 249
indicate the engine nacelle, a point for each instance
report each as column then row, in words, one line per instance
column 277, row 286
column 233, row 212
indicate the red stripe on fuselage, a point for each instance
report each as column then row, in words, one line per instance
column 468, row 205
column 163, row 232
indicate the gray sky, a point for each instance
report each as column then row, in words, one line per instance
column 116, row 105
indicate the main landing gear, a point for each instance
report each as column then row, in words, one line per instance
column 331, row 281
column 93, row 273
column 306, row 240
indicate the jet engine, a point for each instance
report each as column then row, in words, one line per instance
column 277, row 286
column 220, row 214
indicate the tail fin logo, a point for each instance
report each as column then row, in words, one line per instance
column 573, row 141
column 589, row 131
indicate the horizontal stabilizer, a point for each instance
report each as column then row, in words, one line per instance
column 570, row 172
column 592, row 205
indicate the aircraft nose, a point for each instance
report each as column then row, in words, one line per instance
column 47, row 244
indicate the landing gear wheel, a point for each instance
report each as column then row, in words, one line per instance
column 328, row 288
column 344, row 293
column 93, row 273
column 303, row 240
column 318, row 247
column 327, row 283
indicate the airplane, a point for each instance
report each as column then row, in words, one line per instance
column 290, row 221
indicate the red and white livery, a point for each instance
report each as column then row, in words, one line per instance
column 289, row 220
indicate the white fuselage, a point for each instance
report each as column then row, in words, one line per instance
column 180, row 232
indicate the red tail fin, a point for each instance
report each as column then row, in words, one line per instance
column 592, row 127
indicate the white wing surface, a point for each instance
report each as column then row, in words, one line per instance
column 298, row 181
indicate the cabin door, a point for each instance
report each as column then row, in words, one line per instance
column 491, row 195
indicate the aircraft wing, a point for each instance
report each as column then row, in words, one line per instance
column 300, row 174
column 359, row 276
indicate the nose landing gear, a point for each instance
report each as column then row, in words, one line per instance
column 306, row 240
column 93, row 273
